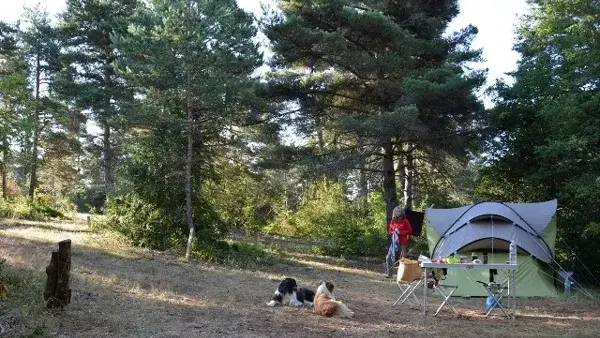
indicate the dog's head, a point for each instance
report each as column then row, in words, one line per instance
column 287, row 286
column 325, row 287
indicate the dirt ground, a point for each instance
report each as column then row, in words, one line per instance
column 120, row 291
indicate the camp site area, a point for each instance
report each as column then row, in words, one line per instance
column 175, row 168
column 122, row 291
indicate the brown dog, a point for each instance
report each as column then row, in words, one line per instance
column 326, row 305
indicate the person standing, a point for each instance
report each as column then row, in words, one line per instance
column 399, row 231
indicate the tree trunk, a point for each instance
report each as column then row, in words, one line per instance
column 107, row 155
column 389, row 181
column 36, row 130
column 401, row 169
column 188, row 175
column 321, row 144
column 4, row 188
column 3, row 169
column 107, row 150
column 34, row 154
column 57, row 293
column 409, row 181
column 363, row 183
column 188, row 189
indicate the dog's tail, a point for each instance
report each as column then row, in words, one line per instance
column 343, row 310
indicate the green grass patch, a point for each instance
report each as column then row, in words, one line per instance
column 237, row 254
column 22, row 311
column 39, row 209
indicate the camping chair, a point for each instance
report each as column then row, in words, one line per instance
column 495, row 293
column 444, row 290
column 409, row 277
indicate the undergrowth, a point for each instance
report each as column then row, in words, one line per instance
column 41, row 208
column 343, row 227
column 237, row 254
column 22, row 313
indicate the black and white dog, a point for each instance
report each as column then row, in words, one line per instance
column 288, row 291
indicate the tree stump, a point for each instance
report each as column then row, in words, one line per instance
column 57, row 293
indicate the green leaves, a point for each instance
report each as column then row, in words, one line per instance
column 353, row 76
column 190, row 64
column 548, row 121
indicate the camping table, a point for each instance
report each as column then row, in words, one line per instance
column 511, row 287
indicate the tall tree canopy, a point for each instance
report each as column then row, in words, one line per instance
column 14, row 95
column 190, row 62
column 89, row 80
column 380, row 79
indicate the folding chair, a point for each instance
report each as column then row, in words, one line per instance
column 446, row 291
column 495, row 293
column 409, row 277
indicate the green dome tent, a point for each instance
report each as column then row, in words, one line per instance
column 489, row 227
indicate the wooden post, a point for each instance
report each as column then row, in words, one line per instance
column 57, row 293
column 89, row 221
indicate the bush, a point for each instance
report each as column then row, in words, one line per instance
column 89, row 199
column 236, row 254
column 142, row 223
column 242, row 199
column 42, row 207
column 151, row 226
column 346, row 227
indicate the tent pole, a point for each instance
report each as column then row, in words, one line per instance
column 492, row 221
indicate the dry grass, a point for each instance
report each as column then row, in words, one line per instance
column 121, row 291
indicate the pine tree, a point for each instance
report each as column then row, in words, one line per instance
column 41, row 50
column 191, row 62
column 88, row 79
column 547, row 124
column 14, row 95
column 384, row 78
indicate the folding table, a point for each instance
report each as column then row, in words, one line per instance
column 511, row 306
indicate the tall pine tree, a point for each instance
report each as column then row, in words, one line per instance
column 383, row 76
column 89, row 80
column 190, row 61
column 14, row 95
column 41, row 51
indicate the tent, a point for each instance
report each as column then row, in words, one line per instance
column 489, row 227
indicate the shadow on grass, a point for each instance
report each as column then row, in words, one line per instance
column 150, row 294
column 151, row 297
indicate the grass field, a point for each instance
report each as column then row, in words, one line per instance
column 121, row 291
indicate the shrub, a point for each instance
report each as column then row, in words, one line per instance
column 156, row 227
column 42, row 207
column 346, row 227
column 242, row 199
column 236, row 254
column 89, row 198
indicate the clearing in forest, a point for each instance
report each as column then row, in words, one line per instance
column 121, row 291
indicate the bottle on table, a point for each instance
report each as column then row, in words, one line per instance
column 512, row 252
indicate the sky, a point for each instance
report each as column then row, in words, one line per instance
column 495, row 20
